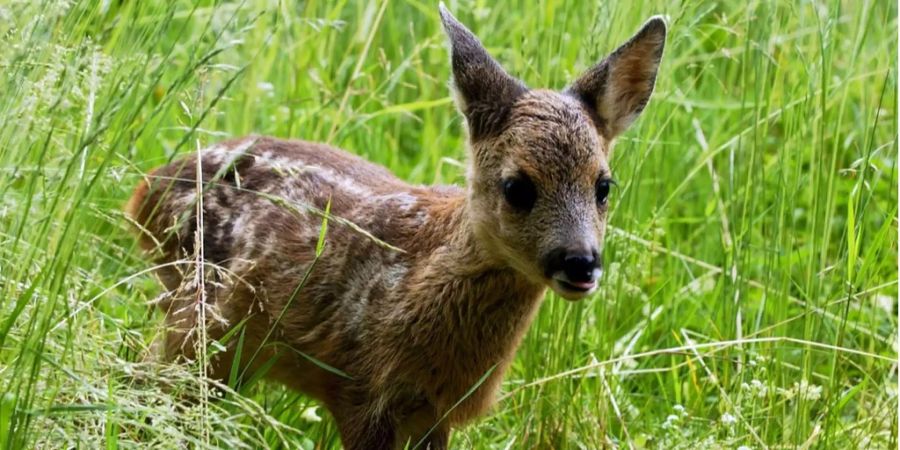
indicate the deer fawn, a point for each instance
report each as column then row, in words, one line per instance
column 420, row 292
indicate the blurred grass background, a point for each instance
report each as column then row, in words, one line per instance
column 751, row 291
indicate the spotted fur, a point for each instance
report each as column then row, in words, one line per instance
column 420, row 291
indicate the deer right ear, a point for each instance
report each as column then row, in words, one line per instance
column 485, row 92
column 618, row 88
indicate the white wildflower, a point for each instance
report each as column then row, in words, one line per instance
column 672, row 421
column 885, row 303
column 756, row 388
column 808, row 391
column 728, row 419
column 266, row 87
column 786, row 393
column 802, row 390
column 310, row 415
column 701, row 286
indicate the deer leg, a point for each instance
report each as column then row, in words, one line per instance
column 439, row 439
column 362, row 431
column 362, row 426
column 422, row 426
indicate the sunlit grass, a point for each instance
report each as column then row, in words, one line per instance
column 750, row 295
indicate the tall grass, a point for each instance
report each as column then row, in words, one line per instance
column 751, row 291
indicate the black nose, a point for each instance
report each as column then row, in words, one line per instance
column 578, row 265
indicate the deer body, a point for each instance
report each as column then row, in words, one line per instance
column 441, row 313
column 420, row 293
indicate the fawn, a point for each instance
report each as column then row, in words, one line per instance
column 420, row 292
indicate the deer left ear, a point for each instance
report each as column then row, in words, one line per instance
column 618, row 88
column 485, row 92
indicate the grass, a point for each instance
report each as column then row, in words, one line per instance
column 751, row 292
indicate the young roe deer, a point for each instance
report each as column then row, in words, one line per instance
column 409, row 331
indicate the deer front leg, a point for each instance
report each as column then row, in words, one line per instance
column 439, row 439
column 422, row 429
column 361, row 430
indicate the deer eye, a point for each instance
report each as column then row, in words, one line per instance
column 602, row 188
column 519, row 192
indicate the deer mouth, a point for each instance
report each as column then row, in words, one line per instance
column 577, row 286
column 572, row 289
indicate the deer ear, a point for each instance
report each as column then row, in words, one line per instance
column 618, row 88
column 485, row 92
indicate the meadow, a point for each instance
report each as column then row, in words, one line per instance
column 750, row 296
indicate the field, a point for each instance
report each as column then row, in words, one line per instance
column 750, row 296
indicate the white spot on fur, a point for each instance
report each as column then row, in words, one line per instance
column 184, row 202
column 346, row 184
column 403, row 200
column 220, row 154
column 393, row 275
column 365, row 277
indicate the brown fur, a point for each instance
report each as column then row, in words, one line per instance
column 414, row 329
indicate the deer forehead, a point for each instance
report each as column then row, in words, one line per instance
column 552, row 139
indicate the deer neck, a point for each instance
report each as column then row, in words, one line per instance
column 487, row 302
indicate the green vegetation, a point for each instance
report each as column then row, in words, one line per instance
column 751, row 284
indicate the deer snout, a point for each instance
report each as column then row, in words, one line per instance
column 573, row 272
